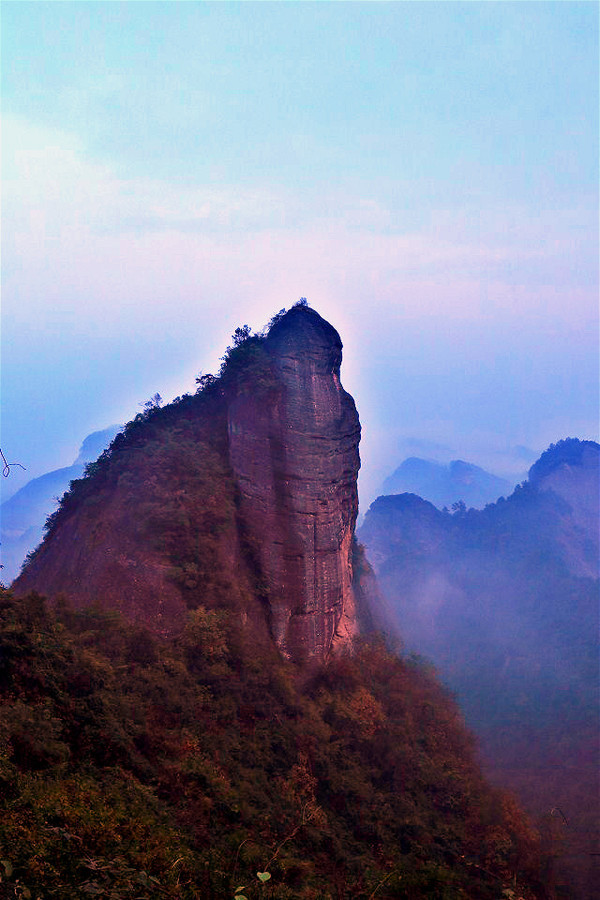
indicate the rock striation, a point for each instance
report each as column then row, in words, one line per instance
column 296, row 463
column 244, row 494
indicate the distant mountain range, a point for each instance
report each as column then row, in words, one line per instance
column 504, row 601
column 444, row 485
column 23, row 515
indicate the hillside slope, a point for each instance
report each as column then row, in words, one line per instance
column 133, row 767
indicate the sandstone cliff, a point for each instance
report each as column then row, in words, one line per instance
column 242, row 495
column 296, row 463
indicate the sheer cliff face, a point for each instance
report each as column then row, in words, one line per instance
column 296, row 464
column 244, row 494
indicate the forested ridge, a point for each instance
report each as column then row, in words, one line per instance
column 136, row 767
column 164, row 498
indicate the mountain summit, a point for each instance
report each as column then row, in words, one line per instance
column 244, row 494
column 295, row 461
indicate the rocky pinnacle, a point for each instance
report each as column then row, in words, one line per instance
column 296, row 463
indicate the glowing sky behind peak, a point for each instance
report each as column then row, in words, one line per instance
column 425, row 173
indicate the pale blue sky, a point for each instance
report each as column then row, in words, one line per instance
column 425, row 173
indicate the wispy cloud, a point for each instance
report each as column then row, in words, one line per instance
column 76, row 224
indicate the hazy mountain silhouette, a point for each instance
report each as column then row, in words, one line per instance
column 444, row 485
column 23, row 515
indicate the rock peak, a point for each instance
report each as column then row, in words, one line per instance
column 296, row 464
column 302, row 330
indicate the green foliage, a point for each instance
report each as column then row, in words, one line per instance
column 246, row 367
column 360, row 564
column 276, row 318
column 207, row 768
column 205, row 382
column 155, row 402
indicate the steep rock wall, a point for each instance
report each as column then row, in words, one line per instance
column 296, row 463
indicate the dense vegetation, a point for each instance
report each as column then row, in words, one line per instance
column 131, row 767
